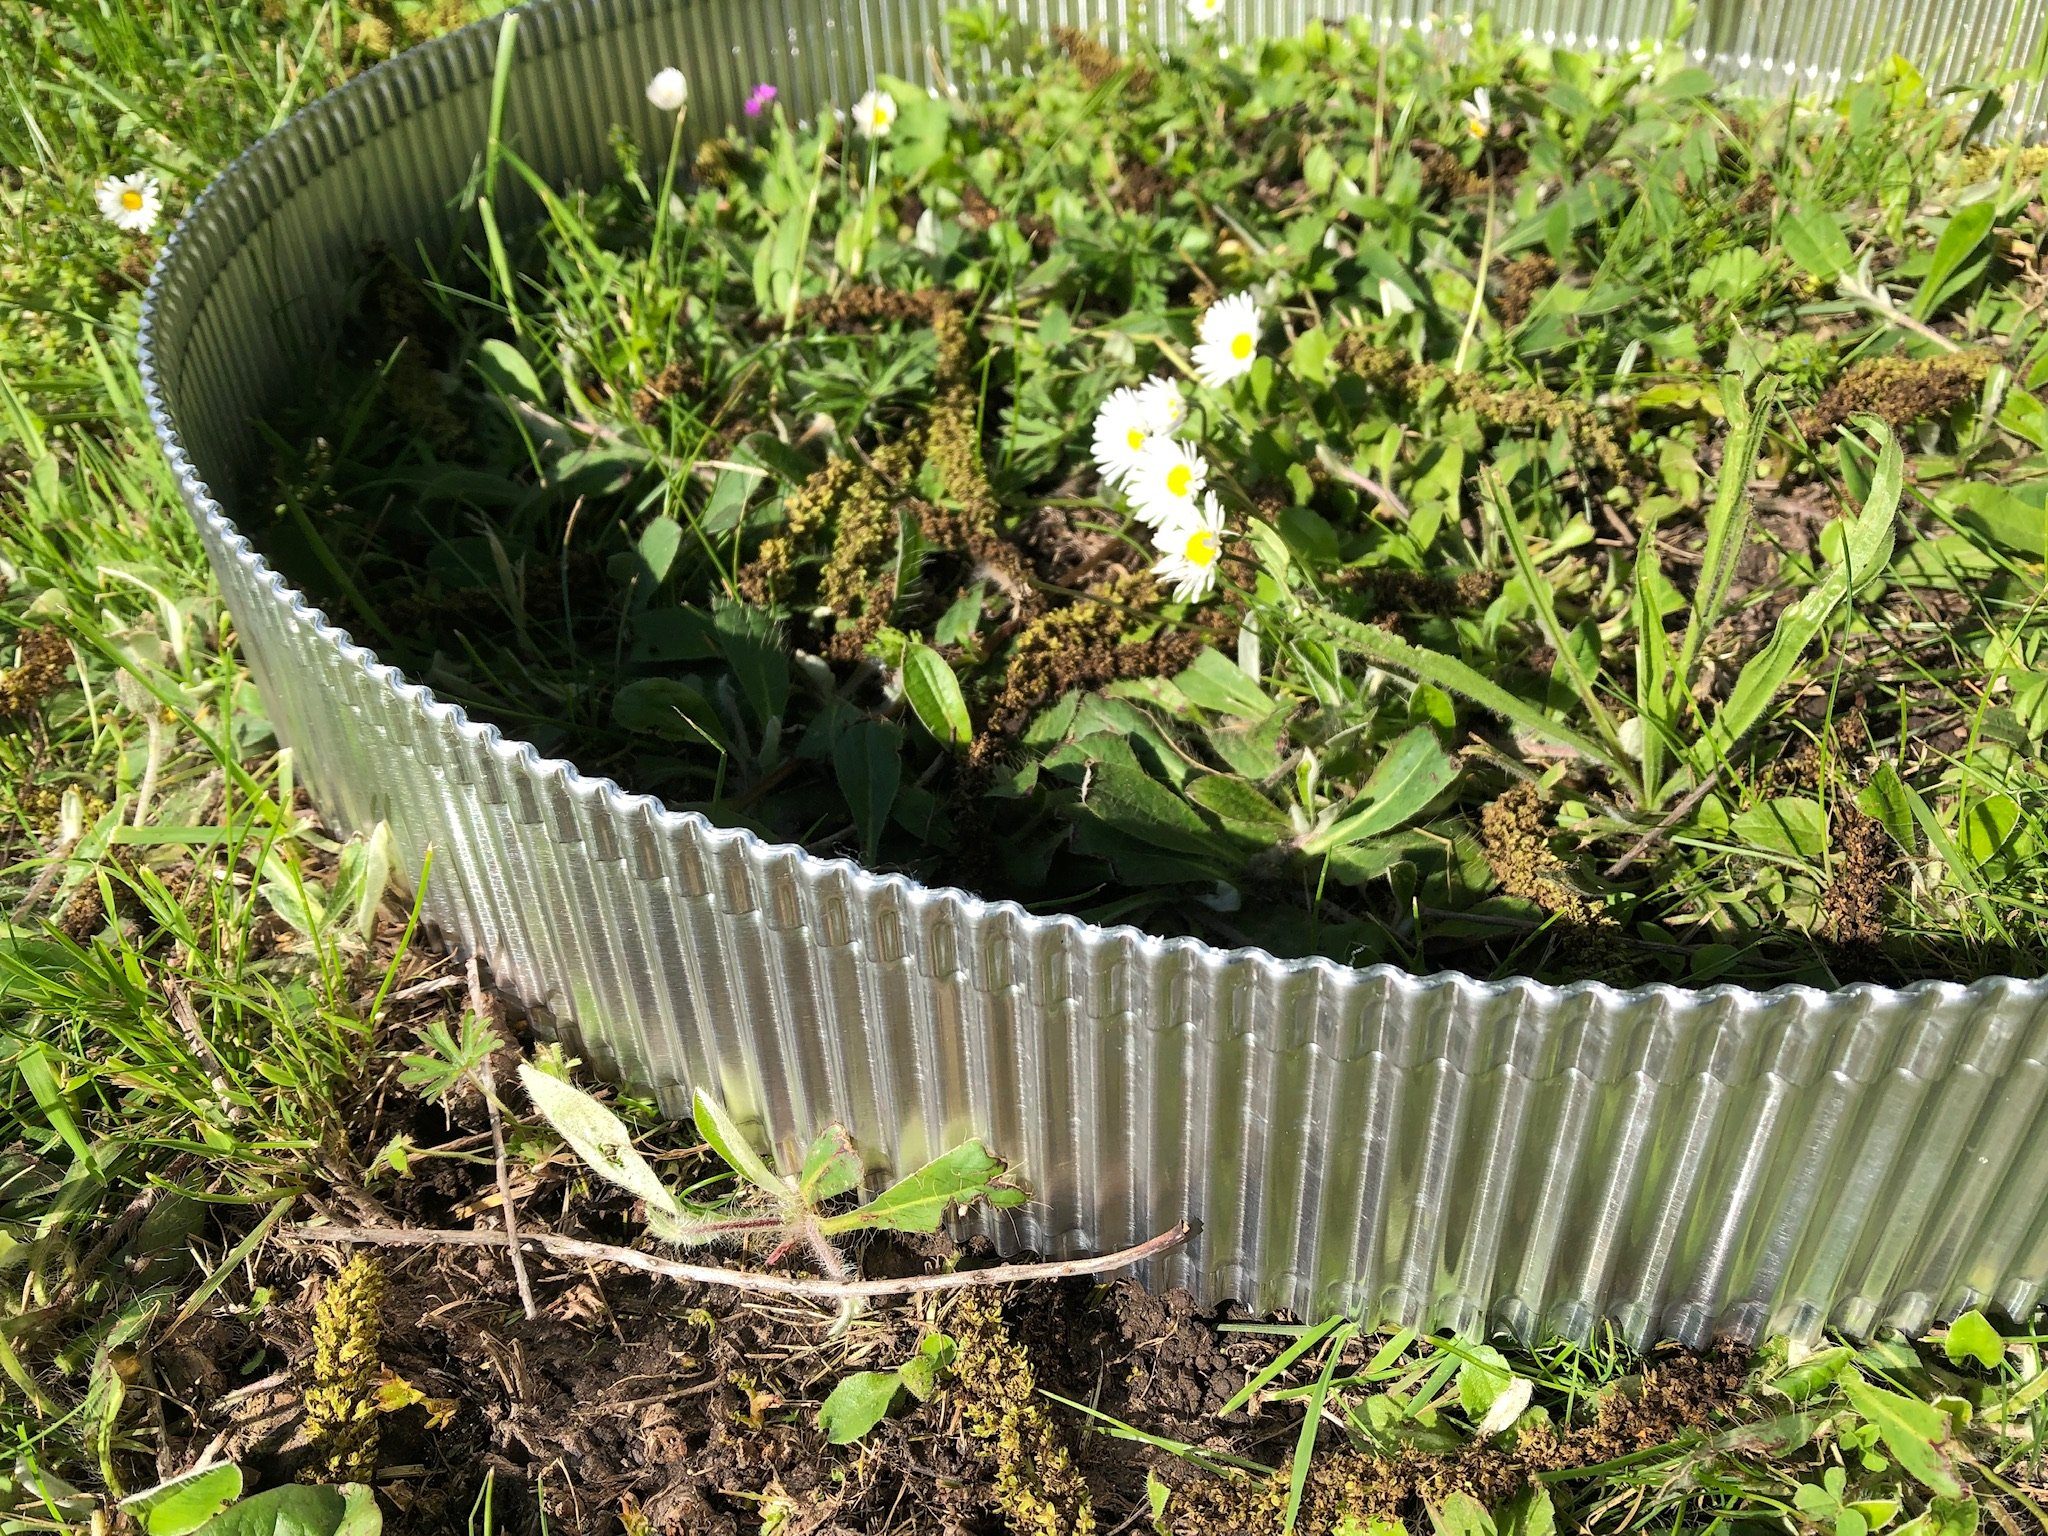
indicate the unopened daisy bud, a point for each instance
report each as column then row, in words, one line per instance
column 668, row 90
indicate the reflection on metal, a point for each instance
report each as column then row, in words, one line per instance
column 1410, row 1149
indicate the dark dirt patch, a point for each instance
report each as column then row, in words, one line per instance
column 635, row 1403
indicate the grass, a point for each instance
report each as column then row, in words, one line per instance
column 199, row 992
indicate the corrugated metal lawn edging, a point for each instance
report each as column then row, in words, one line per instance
column 1413, row 1150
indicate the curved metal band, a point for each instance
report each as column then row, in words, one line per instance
column 1426, row 1150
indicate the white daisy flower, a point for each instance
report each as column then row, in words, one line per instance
column 1189, row 549
column 1167, row 482
column 669, row 90
column 1229, row 342
column 130, row 202
column 1201, row 12
column 1165, row 406
column 1478, row 113
column 875, row 114
column 1122, row 429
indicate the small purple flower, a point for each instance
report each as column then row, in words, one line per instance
column 759, row 97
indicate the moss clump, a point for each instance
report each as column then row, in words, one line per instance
column 341, row 1403
column 1859, row 879
column 676, row 378
column 1098, row 63
column 44, row 667
column 1899, row 390
column 1521, row 283
column 1037, row 1486
column 1516, row 837
column 1081, row 646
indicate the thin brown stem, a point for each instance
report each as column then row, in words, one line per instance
column 487, row 1081
column 748, row 1280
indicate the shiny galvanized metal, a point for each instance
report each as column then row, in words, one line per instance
column 1409, row 1149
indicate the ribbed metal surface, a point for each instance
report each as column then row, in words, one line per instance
column 1409, row 1149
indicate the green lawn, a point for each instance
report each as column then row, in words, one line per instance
column 212, row 1027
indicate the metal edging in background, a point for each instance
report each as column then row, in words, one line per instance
column 1426, row 1150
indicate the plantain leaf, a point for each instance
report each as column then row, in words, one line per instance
column 831, row 1167
column 597, row 1135
column 731, row 1144
column 922, row 1200
column 1413, row 772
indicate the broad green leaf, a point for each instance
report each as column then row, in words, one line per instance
column 675, row 708
column 921, row 1372
column 2010, row 523
column 1460, row 1515
column 831, row 1167
column 1529, row 1514
column 1484, row 1377
column 747, row 638
column 922, row 1200
column 1413, row 772
column 1943, row 1517
column 598, row 1136
column 299, row 1509
column 1886, row 799
column 1988, row 827
column 659, row 541
column 1790, row 824
column 506, row 370
column 934, row 694
column 184, row 1503
column 857, row 1405
column 867, row 758
column 1213, row 681
column 1958, row 243
column 2025, row 416
column 1813, row 238
column 1237, row 802
column 1911, row 1430
column 731, row 1144
column 1122, row 796
column 1867, row 552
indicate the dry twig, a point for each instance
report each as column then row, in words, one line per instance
column 749, row 1280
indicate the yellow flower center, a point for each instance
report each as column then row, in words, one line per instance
column 1201, row 548
column 1135, row 437
column 1241, row 345
column 131, row 199
column 1476, row 126
column 1179, row 479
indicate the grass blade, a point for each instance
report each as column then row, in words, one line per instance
column 1448, row 672
column 1727, row 524
column 1867, row 552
